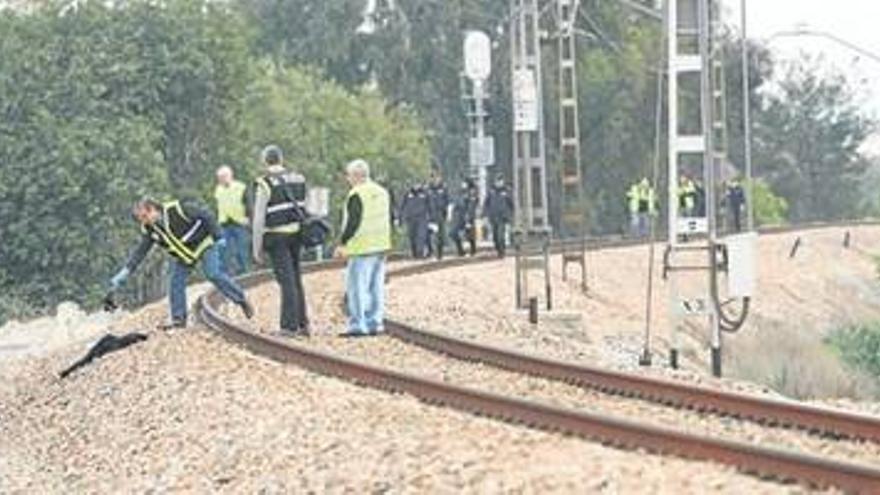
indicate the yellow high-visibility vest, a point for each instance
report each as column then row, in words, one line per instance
column 230, row 203
column 373, row 236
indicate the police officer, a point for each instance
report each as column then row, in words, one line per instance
column 499, row 210
column 415, row 213
column 279, row 210
column 735, row 200
column 191, row 236
column 232, row 215
column 464, row 217
column 438, row 198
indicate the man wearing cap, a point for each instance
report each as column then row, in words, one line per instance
column 232, row 215
column 365, row 240
column 279, row 210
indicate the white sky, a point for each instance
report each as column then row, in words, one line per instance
column 856, row 21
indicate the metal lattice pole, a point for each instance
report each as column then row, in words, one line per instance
column 573, row 221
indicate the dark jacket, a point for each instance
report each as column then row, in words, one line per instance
column 438, row 198
column 464, row 212
column 499, row 204
column 415, row 207
column 192, row 210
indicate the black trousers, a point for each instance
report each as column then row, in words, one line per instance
column 469, row 234
column 418, row 238
column 737, row 218
column 284, row 252
column 437, row 241
column 498, row 237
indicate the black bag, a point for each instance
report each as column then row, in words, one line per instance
column 314, row 232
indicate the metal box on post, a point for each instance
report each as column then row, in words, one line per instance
column 742, row 251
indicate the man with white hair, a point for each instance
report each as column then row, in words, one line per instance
column 365, row 240
column 232, row 215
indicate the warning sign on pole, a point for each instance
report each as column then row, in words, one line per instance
column 525, row 101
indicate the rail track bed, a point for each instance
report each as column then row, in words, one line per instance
column 534, row 392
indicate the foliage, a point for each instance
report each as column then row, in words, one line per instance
column 859, row 346
column 770, row 209
column 809, row 136
column 102, row 104
column 321, row 127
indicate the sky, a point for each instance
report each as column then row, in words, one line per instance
column 855, row 21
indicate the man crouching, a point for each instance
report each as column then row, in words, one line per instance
column 190, row 235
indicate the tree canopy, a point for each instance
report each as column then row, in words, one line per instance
column 104, row 103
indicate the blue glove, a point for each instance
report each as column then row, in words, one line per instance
column 119, row 279
column 220, row 243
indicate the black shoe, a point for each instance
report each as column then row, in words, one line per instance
column 247, row 309
column 353, row 335
column 304, row 331
column 175, row 324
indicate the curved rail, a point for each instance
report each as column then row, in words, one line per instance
column 780, row 464
column 761, row 409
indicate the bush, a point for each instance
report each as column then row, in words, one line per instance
column 859, row 347
column 770, row 209
column 795, row 363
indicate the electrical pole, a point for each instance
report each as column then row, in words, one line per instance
column 529, row 160
column 574, row 209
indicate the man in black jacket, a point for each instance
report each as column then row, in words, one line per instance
column 191, row 236
column 464, row 217
column 499, row 209
column 438, row 197
column 415, row 212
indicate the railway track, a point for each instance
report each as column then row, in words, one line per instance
column 779, row 464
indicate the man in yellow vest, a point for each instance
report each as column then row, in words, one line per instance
column 231, row 197
column 687, row 196
column 189, row 234
column 365, row 240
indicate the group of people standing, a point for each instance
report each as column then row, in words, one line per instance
column 425, row 211
column 279, row 227
column 642, row 203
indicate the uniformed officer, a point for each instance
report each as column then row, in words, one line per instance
column 415, row 213
column 464, row 217
column 279, row 210
column 191, row 236
column 438, row 198
column 499, row 209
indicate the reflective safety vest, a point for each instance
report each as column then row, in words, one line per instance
column 284, row 211
column 230, row 203
column 373, row 235
column 633, row 196
column 687, row 195
column 184, row 238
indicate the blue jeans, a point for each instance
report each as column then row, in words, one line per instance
column 212, row 267
column 236, row 248
column 365, row 290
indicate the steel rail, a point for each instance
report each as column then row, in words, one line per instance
column 780, row 464
column 760, row 409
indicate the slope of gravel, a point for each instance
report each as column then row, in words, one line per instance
column 189, row 413
column 391, row 353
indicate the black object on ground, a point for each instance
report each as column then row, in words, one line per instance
column 110, row 302
column 108, row 343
